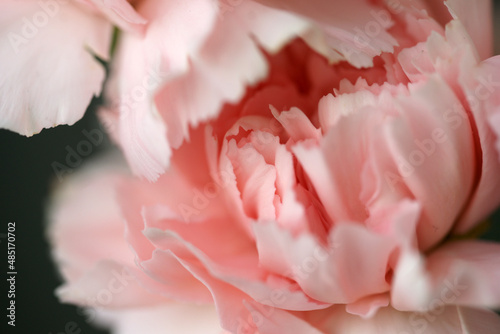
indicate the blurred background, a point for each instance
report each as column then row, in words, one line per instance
column 27, row 179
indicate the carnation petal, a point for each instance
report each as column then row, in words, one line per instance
column 337, row 183
column 448, row 320
column 120, row 12
column 344, row 28
column 432, row 145
column 459, row 273
column 466, row 273
column 176, row 31
column 85, row 212
column 322, row 271
column 272, row 320
column 482, row 89
column 87, row 237
column 169, row 317
column 108, row 285
column 368, row 306
column 131, row 116
column 37, row 89
column 477, row 19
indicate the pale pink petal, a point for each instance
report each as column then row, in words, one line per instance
column 255, row 180
column 482, row 91
column 87, row 234
column 356, row 30
column 172, row 280
column 449, row 52
column 341, row 272
column 229, row 303
column 108, row 285
column 231, row 239
column 165, row 318
column 120, row 12
column 446, row 320
column 297, row 124
column 466, row 273
column 459, row 273
column 186, row 101
column 85, row 212
column 131, row 117
column 142, row 137
column 415, row 62
column 331, row 109
column 272, row 320
column 477, row 18
column 183, row 24
column 289, row 211
column 368, row 306
column 37, row 89
column 337, row 184
column 410, row 287
column 272, row 28
column 228, row 300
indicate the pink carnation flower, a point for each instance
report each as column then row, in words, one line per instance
column 314, row 164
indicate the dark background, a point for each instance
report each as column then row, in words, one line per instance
column 26, row 180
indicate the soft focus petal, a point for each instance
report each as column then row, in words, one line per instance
column 49, row 71
column 108, row 285
column 176, row 31
column 132, row 119
column 166, row 318
column 271, row 321
column 87, row 237
column 367, row 307
column 446, row 320
column 82, row 206
column 482, row 90
column 120, row 12
column 477, row 19
column 346, row 28
column 461, row 273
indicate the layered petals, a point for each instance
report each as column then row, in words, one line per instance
column 312, row 165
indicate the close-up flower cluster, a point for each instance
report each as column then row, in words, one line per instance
column 315, row 167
